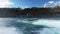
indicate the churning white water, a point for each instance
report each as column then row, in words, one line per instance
column 7, row 30
column 47, row 22
column 53, row 24
column 50, row 31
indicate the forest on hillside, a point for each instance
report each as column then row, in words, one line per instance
column 30, row 12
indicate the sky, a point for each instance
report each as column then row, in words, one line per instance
column 29, row 3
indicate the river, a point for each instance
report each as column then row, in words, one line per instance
column 29, row 26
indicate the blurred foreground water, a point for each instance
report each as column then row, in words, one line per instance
column 29, row 26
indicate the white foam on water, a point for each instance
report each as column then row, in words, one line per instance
column 50, row 23
column 50, row 31
column 47, row 22
column 8, row 30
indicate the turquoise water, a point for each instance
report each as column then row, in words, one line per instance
column 29, row 26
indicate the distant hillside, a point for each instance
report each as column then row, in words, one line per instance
column 30, row 12
column 9, row 12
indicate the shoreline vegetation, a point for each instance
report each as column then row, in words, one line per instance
column 31, row 12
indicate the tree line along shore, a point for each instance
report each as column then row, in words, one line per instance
column 30, row 12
